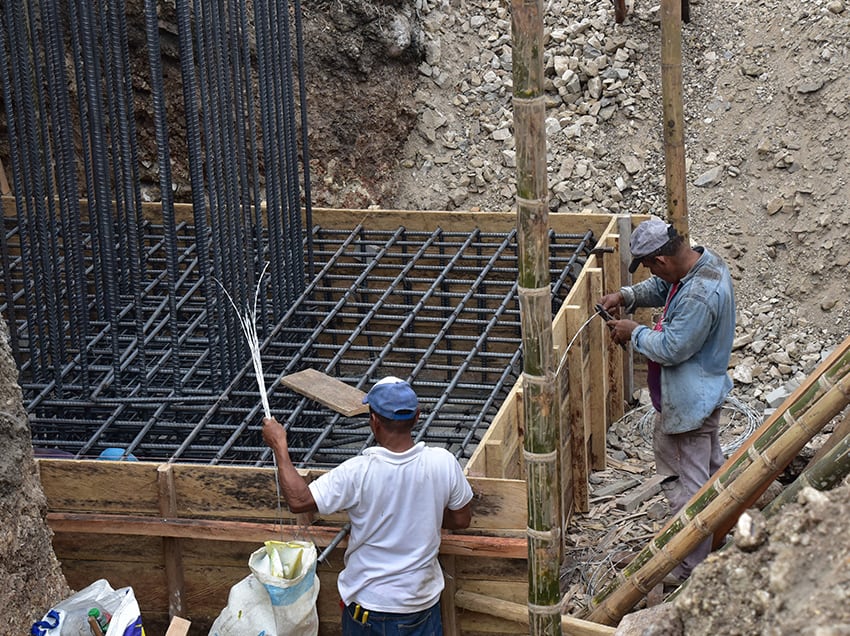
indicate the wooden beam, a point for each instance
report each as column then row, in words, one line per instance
column 517, row 613
column 218, row 530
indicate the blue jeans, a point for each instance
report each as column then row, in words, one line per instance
column 425, row 623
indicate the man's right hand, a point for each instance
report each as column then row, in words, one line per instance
column 274, row 434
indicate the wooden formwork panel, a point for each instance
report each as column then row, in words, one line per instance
column 107, row 522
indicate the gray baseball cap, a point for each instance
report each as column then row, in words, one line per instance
column 648, row 237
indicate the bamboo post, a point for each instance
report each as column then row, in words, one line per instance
column 540, row 412
column 674, row 121
column 704, row 513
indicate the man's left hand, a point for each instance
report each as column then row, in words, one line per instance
column 621, row 330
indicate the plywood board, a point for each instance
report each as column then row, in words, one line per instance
column 335, row 394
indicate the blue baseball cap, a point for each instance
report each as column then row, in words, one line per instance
column 392, row 398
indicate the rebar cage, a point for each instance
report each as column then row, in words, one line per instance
column 437, row 308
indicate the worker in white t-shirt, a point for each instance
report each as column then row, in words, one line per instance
column 398, row 495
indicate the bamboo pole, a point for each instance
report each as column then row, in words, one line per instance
column 515, row 612
column 824, row 474
column 674, row 121
column 702, row 514
column 540, row 411
column 810, row 389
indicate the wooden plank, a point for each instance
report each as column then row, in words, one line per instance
column 624, row 229
column 580, row 465
column 615, row 488
column 233, row 492
column 219, row 530
column 649, row 488
column 597, row 387
column 172, row 551
column 447, row 597
column 178, row 627
column 426, row 221
column 611, row 279
column 114, row 487
column 331, row 392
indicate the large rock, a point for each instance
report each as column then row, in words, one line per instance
column 31, row 576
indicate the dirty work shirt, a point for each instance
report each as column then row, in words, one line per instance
column 395, row 502
column 694, row 346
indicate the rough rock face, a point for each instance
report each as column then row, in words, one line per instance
column 31, row 578
column 360, row 69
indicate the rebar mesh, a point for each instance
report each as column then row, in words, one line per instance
column 437, row 308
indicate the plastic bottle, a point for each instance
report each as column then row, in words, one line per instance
column 102, row 618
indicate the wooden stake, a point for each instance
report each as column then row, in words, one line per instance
column 674, row 121
column 172, row 549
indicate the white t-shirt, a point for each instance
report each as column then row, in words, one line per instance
column 395, row 502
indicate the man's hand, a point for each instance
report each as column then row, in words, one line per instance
column 621, row 330
column 610, row 302
column 274, row 434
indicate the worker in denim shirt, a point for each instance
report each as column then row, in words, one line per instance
column 688, row 353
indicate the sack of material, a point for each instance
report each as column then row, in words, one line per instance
column 278, row 598
column 117, row 613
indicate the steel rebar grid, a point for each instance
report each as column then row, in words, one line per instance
column 436, row 308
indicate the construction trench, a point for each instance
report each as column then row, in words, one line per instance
column 124, row 337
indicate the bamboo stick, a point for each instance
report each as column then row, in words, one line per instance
column 540, row 412
column 824, row 474
column 697, row 522
column 674, row 120
column 841, row 431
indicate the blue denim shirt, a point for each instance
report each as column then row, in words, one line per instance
column 695, row 342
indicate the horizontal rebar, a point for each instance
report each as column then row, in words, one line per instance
column 437, row 308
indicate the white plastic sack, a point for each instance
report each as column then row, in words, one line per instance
column 278, row 598
column 70, row 617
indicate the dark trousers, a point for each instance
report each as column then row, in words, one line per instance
column 425, row 623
